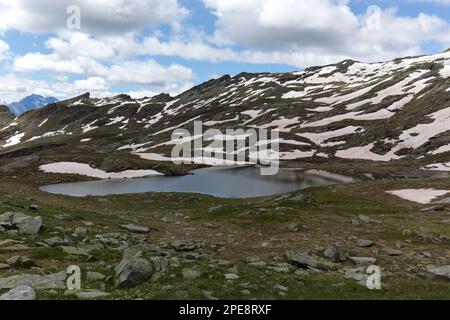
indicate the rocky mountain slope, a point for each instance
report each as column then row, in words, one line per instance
column 31, row 102
column 396, row 110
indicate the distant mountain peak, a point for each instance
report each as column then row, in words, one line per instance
column 30, row 102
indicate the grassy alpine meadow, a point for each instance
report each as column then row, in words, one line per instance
column 314, row 244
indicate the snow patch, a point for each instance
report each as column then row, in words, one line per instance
column 422, row 196
column 86, row 170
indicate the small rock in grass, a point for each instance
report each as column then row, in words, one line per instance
column 35, row 207
column 81, row 232
column 183, row 245
column 190, row 274
column 281, row 288
column 336, row 253
column 393, row 252
column 92, row 294
column 135, row 229
column 364, row 260
column 58, row 242
column 231, row 276
column 95, row 276
column 364, row 243
column 21, row 262
column 295, row 227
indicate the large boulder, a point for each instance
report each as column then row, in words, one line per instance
column 132, row 272
column 38, row 282
column 26, row 225
column 24, row 293
column 441, row 273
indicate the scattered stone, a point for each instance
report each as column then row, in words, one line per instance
column 441, row 273
column 425, row 236
column 15, row 248
column 231, row 276
column 168, row 220
column 94, row 276
column 295, row 227
column 81, row 232
column 135, row 229
column 38, row 282
column 336, row 253
column 21, row 293
column 364, row 260
column 59, row 242
column 209, row 295
column 92, row 294
column 190, row 274
column 67, row 217
column 364, row 243
column 73, row 251
column 258, row 264
column 183, row 245
column 21, row 262
column 444, row 201
column 254, row 212
column 213, row 209
column 305, row 261
column 281, row 288
column 393, row 252
column 358, row 274
column 363, row 219
column 132, row 272
column 4, row 266
column 35, row 207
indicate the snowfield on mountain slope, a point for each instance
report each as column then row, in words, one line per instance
column 337, row 108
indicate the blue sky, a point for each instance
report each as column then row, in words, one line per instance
column 144, row 47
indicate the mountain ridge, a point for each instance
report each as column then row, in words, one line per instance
column 349, row 111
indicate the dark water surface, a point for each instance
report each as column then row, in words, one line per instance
column 246, row 182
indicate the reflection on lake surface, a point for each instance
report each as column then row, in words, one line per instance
column 245, row 182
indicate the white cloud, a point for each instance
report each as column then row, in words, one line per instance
column 91, row 84
column 80, row 45
column 322, row 29
column 81, row 54
column 147, row 72
column 97, row 17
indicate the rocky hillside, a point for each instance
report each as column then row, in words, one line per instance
column 6, row 117
column 396, row 110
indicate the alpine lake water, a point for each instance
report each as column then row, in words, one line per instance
column 242, row 182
